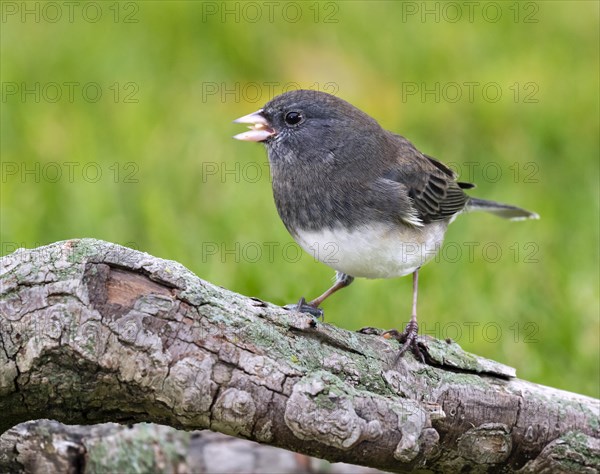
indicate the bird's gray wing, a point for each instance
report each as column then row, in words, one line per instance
column 431, row 186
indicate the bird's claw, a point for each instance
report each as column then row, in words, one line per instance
column 303, row 307
column 408, row 339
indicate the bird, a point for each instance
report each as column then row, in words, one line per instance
column 363, row 200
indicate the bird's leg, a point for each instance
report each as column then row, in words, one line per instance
column 408, row 338
column 341, row 281
column 312, row 307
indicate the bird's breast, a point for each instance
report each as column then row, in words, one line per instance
column 311, row 203
column 376, row 250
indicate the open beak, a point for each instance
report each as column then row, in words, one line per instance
column 259, row 128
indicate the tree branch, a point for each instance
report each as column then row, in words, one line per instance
column 147, row 447
column 92, row 332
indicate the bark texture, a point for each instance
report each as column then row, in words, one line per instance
column 92, row 332
column 45, row 446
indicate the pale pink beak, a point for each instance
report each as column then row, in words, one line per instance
column 259, row 128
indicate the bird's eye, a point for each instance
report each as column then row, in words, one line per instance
column 293, row 118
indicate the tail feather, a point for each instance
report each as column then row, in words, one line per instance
column 506, row 211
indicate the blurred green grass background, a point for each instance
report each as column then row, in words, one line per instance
column 173, row 75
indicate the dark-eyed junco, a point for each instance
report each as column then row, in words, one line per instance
column 362, row 199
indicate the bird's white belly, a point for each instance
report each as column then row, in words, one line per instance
column 374, row 251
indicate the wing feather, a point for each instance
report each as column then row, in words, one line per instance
column 431, row 185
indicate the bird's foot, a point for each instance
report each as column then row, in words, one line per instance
column 408, row 339
column 303, row 307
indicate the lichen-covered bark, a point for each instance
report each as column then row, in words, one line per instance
column 92, row 332
column 46, row 446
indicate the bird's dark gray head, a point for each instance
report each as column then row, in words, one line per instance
column 307, row 125
column 320, row 147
